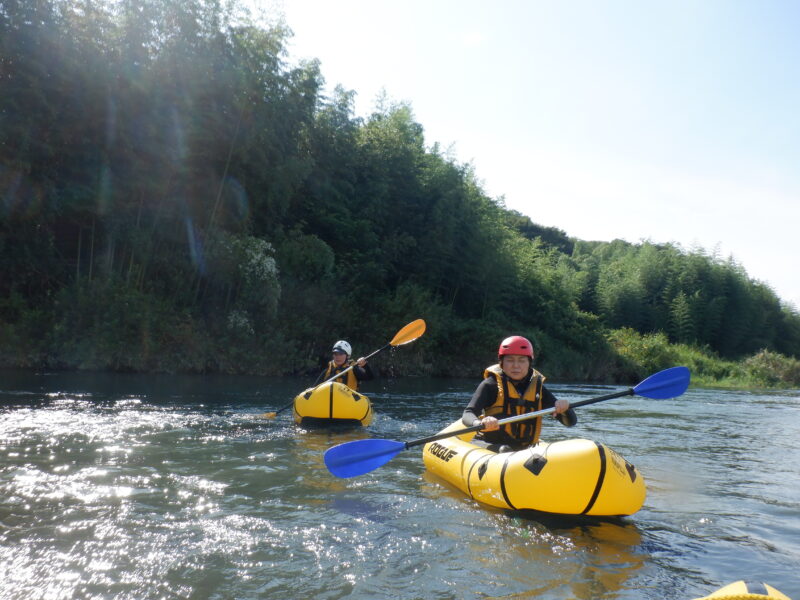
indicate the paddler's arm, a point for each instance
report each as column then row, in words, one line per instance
column 568, row 416
column 363, row 371
column 484, row 396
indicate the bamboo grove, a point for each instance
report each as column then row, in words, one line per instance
column 176, row 195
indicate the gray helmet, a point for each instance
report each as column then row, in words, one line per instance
column 342, row 346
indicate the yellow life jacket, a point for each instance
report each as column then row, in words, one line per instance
column 349, row 378
column 508, row 405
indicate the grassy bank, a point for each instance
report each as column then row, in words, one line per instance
column 648, row 353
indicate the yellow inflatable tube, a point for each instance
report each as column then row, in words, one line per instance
column 332, row 403
column 574, row 477
column 742, row 590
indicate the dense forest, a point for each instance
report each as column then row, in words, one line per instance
column 176, row 195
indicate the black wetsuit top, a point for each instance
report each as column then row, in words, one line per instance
column 486, row 395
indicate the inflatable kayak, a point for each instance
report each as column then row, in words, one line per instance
column 743, row 590
column 573, row 477
column 332, row 404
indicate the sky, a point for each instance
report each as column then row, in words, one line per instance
column 669, row 121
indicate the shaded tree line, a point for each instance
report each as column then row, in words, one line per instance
column 175, row 195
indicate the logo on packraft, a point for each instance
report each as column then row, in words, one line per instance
column 442, row 452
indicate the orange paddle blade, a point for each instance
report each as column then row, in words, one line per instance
column 409, row 333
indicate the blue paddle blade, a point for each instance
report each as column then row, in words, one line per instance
column 361, row 456
column 668, row 383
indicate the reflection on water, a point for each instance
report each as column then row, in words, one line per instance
column 149, row 487
column 558, row 555
column 589, row 560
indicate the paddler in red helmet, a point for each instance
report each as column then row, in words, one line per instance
column 513, row 387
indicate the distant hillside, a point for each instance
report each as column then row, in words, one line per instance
column 176, row 198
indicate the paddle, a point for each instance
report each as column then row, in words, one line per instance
column 362, row 456
column 406, row 335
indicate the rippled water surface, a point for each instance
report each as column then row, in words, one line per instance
column 129, row 486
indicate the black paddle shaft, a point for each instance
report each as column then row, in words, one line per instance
column 628, row 392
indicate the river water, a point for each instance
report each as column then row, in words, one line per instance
column 140, row 487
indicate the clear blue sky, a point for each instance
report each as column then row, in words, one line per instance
column 669, row 121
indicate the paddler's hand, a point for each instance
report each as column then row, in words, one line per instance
column 489, row 424
column 361, row 362
column 561, row 406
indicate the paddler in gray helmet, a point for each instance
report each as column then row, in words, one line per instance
column 340, row 360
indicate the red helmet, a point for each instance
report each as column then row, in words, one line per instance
column 516, row 344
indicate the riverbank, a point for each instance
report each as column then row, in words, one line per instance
column 652, row 352
column 620, row 356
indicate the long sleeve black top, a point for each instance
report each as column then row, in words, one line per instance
column 486, row 395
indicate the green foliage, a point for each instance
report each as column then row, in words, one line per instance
column 643, row 354
column 243, row 270
column 305, row 257
column 109, row 325
column 175, row 196
column 646, row 354
column 693, row 297
column 550, row 236
column 771, row 369
column 681, row 319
